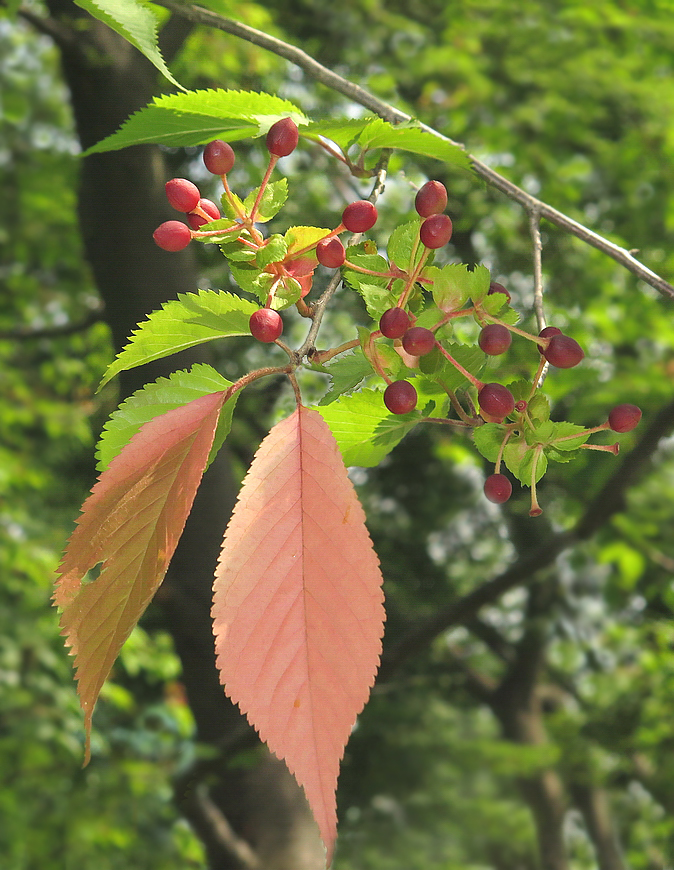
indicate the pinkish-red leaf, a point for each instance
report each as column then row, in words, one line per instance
column 131, row 524
column 298, row 614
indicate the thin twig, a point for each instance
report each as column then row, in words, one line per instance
column 537, row 248
column 389, row 113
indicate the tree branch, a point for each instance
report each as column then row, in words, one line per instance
column 389, row 113
column 608, row 501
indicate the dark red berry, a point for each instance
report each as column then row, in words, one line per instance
column 219, row 157
column 436, row 231
column 330, row 253
column 496, row 400
column 359, row 216
column 400, row 397
column 182, row 194
column 394, row 323
column 172, row 235
column 624, row 418
column 418, row 341
column 498, row 488
column 495, row 287
column 495, row 339
column 282, row 137
column 265, row 325
column 196, row 220
column 548, row 332
column 563, row 351
column 431, row 199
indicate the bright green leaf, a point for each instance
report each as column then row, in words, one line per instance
column 192, row 318
column 198, row 117
column 136, row 22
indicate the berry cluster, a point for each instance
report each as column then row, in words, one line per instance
column 414, row 304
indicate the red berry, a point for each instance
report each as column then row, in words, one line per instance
column 219, row 157
column 498, row 488
column 624, row 418
column 418, row 341
column 182, row 194
column 196, row 220
column 431, row 199
column 172, row 235
column 495, row 339
column 563, row 352
column 330, row 253
column 495, row 287
column 359, row 216
column 282, row 137
column 548, row 332
column 496, row 400
column 436, row 231
column 265, row 325
column 400, row 397
column 394, row 323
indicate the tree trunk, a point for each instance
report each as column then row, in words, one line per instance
column 250, row 818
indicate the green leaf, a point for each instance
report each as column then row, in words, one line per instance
column 192, row 318
column 538, row 407
column 363, row 427
column 452, row 285
column 157, row 398
column 274, row 251
column 298, row 238
column 470, row 357
column 410, row 137
column 273, row 198
column 198, row 117
column 249, row 277
column 488, row 440
column 346, row 371
column 370, row 133
column 136, row 22
column 564, row 430
column 343, row 132
column 224, row 224
column 287, row 292
column 404, row 239
column 519, row 458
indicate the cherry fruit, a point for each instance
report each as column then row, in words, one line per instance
column 172, row 235
column 495, row 287
column 282, row 137
column 624, row 418
column 496, row 400
column 265, row 325
column 394, row 323
column 359, row 216
column 431, row 199
column 330, row 253
column 436, row 231
column 495, row 339
column 498, row 488
column 219, row 157
column 548, row 332
column 418, row 341
column 182, row 194
column 196, row 221
column 563, row 352
column 400, row 397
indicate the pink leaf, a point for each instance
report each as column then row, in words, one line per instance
column 298, row 614
column 131, row 523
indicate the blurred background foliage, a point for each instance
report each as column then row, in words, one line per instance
column 573, row 102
